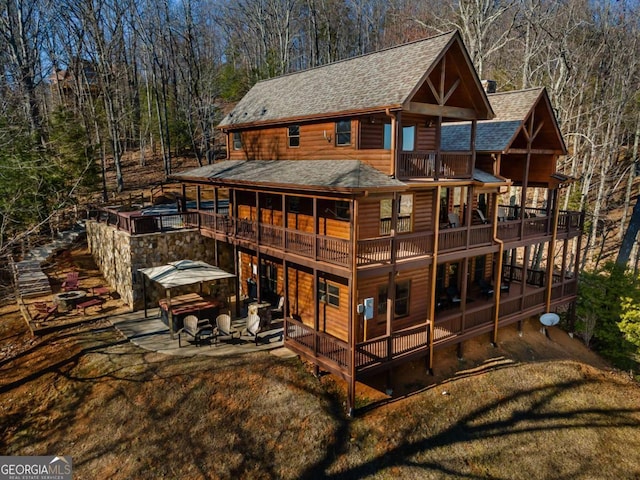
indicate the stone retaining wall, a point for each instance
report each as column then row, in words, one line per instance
column 119, row 255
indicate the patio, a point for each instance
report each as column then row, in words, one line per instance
column 152, row 334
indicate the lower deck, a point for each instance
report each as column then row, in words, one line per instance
column 452, row 325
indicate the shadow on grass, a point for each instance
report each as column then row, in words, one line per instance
column 474, row 426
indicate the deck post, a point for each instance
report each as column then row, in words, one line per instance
column 551, row 250
column 434, row 276
column 354, row 316
column 497, row 281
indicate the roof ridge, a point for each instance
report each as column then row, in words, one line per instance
column 362, row 55
column 515, row 91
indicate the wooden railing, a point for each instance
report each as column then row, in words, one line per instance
column 570, row 222
column 427, row 164
column 403, row 225
column 456, row 238
column 378, row 250
column 135, row 224
column 322, row 345
column 387, row 348
column 374, row 250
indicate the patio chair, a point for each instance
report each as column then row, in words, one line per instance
column 71, row 282
column 253, row 326
column 453, row 294
column 454, row 220
column 481, row 216
column 486, row 289
column 223, row 324
column 198, row 329
column 278, row 312
column 44, row 311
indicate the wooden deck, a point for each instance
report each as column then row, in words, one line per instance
column 451, row 326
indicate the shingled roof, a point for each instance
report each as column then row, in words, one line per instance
column 511, row 109
column 367, row 83
column 490, row 136
column 338, row 175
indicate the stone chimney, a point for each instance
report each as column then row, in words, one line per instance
column 490, row 86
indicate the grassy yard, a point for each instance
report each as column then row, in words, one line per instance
column 532, row 408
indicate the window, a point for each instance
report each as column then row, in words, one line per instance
column 329, row 293
column 237, row 141
column 385, row 216
column 293, row 132
column 405, row 215
column 402, row 298
column 401, row 307
column 409, row 138
column 294, row 204
column 386, row 142
column 342, row 210
column 382, row 299
column 343, row 132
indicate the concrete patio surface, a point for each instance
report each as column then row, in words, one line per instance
column 152, row 334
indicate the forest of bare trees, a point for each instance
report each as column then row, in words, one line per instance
column 83, row 82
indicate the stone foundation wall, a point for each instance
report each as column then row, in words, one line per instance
column 120, row 255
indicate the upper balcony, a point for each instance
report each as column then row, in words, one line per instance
column 428, row 164
column 515, row 225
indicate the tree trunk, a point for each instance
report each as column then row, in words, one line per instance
column 630, row 236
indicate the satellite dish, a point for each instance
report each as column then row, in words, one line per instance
column 549, row 319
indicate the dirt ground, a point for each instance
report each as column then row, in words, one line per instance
column 532, row 407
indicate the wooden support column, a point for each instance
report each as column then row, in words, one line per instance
column 316, row 221
column 472, row 146
column 464, row 290
column 437, row 166
column 354, row 317
column 467, row 214
column 183, row 207
column 434, row 276
column 497, row 281
column 525, row 271
column 198, row 197
column 236, row 269
column 528, row 130
column 551, row 249
column 170, row 313
column 144, row 291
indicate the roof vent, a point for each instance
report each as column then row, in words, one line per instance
column 490, row 86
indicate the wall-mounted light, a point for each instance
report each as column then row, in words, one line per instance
column 326, row 137
column 429, row 123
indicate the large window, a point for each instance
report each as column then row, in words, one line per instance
column 409, row 138
column 329, row 293
column 343, row 132
column 405, row 214
column 293, row 133
column 401, row 307
column 386, row 142
column 237, row 141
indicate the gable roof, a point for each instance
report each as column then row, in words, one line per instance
column 332, row 175
column 512, row 109
column 372, row 82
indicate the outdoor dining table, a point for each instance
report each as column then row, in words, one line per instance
column 189, row 304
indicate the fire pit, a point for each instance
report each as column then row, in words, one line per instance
column 66, row 301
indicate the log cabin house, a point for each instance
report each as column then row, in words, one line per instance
column 367, row 193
